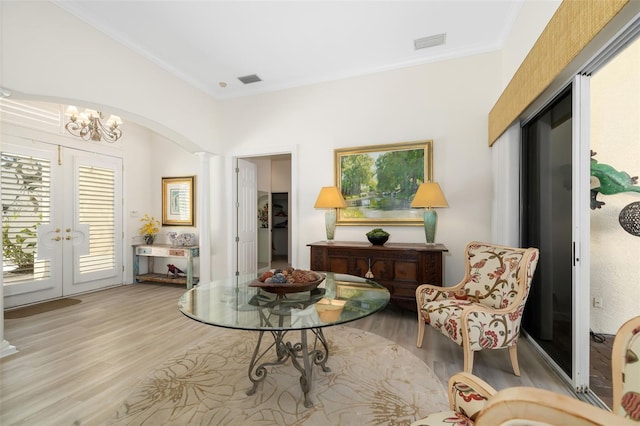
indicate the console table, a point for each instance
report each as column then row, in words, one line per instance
column 164, row 250
column 400, row 267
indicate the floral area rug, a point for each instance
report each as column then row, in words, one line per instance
column 372, row 381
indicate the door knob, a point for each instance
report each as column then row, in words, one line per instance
column 56, row 238
column 69, row 237
column 68, row 229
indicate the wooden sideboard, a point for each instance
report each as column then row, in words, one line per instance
column 399, row 267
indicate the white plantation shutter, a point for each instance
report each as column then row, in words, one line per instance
column 96, row 208
column 26, row 205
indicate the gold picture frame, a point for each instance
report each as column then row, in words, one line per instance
column 379, row 182
column 178, row 201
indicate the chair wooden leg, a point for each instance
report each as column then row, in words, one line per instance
column 420, row 329
column 468, row 359
column 513, row 354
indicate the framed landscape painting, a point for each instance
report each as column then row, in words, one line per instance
column 178, row 201
column 379, row 182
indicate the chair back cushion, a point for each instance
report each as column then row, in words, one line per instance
column 493, row 274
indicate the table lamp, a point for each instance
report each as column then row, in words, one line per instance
column 330, row 198
column 429, row 195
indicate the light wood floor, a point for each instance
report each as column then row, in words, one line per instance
column 76, row 364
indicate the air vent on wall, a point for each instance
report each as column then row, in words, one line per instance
column 250, row 79
column 434, row 40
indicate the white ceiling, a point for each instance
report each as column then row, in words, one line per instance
column 294, row 43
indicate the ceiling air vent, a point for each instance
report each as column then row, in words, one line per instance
column 434, row 40
column 250, row 79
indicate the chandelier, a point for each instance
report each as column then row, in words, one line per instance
column 88, row 125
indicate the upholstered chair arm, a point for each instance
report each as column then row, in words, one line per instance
column 468, row 394
column 487, row 328
column 525, row 406
column 428, row 293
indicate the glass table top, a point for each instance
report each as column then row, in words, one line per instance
column 232, row 303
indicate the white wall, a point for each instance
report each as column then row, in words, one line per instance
column 532, row 19
column 49, row 54
column 447, row 102
column 615, row 136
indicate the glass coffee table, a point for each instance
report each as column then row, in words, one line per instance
column 233, row 303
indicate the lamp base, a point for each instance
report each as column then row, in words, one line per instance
column 430, row 221
column 330, row 224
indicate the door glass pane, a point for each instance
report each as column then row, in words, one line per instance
column 96, row 202
column 26, row 204
column 546, row 213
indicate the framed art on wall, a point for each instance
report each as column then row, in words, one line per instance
column 379, row 182
column 178, row 201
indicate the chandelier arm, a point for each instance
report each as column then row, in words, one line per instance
column 111, row 133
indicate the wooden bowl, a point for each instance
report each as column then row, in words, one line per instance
column 289, row 287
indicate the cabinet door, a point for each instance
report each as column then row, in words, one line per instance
column 381, row 268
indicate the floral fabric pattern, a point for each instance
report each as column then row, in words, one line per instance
column 466, row 400
column 630, row 401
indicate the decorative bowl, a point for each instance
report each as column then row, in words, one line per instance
column 289, row 287
column 378, row 241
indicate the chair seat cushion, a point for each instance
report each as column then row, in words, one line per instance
column 449, row 418
column 445, row 316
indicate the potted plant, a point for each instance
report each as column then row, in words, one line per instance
column 149, row 229
column 19, row 249
column 378, row 236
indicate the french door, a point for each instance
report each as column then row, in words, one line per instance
column 61, row 223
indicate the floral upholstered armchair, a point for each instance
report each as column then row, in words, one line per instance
column 472, row 401
column 485, row 309
column 625, row 370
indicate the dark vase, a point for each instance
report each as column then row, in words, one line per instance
column 149, row 239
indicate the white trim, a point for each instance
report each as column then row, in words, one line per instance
column 6, row 349
column 581, row 234
column 293, row 200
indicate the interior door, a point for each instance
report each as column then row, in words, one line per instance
column 246, row 195
column 62, row 221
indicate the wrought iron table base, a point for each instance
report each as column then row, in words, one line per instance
column 301, row 357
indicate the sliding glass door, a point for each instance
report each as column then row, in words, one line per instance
column 547, row 212
column 555, row 218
